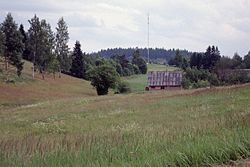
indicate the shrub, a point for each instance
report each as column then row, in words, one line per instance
column 186, row 83
column 123, row 87
column 197, row 78
column 201, row 84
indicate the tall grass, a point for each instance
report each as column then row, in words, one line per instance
column 185, row 128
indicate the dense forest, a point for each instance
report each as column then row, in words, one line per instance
column 157, row 55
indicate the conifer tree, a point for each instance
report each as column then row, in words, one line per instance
column 23, row 33
column 47, row 47
column 42, row 42
column 13, row 45
column 78, row 68
column 26, row 52
column 1, row 42
column 62, row 49
column 34, row 34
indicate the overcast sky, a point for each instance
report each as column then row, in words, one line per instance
column 100, row 24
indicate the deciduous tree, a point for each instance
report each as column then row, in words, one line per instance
column 103, row 77
column 237, row 61
column 140, row 62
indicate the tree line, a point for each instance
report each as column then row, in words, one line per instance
column 157, row 55
column 49, row 52
column 211, row 69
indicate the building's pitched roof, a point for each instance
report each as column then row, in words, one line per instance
column 165, row 78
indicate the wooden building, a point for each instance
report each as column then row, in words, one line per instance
column 164, row 80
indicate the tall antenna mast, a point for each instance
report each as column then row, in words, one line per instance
column 148, row 38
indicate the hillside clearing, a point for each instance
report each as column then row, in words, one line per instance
column 27, row 91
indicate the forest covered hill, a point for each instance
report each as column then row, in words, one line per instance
column 157, row 55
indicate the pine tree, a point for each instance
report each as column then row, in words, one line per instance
column 62, row 49
column 206, row 61
column 211, row 57
column 26, row 52
column 1, row 42
column 78, row 68
column 23, row 33
column 47, row 47
column 13, row 45
column 42, row 42
column 215, row 57
column 34, row 34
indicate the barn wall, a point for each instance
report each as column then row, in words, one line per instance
column 165, row 88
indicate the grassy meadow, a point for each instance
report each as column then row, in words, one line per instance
column 181, row 128
column 63, row 123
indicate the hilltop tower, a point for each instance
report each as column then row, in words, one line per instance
column 148, row 39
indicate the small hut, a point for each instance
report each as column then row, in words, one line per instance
column 164, row 80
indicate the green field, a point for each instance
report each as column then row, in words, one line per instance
column 184, row 128
column 63, row 123
column 137, row 83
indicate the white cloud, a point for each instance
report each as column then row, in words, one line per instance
column 99, row 24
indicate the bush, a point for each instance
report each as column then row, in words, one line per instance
column 197, row 78
column 201, row 84
column 237, row 78
column 213, row 79
column 186, row 83
column 123, row 87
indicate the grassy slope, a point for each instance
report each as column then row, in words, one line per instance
column 27, row 91
column 137, row 83
column 181, row 128
column 61, row 123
